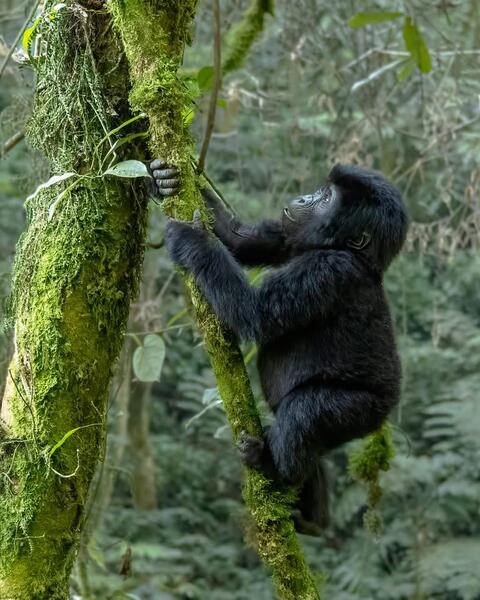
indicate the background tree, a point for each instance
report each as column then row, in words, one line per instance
column 76, row 270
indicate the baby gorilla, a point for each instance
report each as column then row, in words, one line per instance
column 327, row 357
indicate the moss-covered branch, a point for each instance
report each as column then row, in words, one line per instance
column 365, row 465
column 155, row 34
column 76, row 271
column 242, row 35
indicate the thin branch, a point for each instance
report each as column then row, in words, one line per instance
column 217, row 82
column 30, row 16
column 11, row 143
column 211, row 183
column 158, row 331
column 375, row 75
column 404, row 54
column 433, row 52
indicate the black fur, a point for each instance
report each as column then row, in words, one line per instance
column 327, row 357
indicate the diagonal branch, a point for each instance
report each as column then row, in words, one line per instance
column 154, row 35
column 11, row 143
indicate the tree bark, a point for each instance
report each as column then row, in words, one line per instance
column 143, row 486
column 154, row 33
column 76, row 270
column 103, row 484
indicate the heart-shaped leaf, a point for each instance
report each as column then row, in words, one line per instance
column 148, row 359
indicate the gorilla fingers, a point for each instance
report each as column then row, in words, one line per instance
column 166, row 178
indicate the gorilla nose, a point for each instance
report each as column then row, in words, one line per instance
column 299, row 201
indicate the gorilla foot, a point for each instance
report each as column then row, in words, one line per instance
column 251, row 450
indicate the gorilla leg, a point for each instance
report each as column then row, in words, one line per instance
column 314, row 418
column 309, row 421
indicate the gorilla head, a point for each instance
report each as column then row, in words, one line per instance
column 357, row 209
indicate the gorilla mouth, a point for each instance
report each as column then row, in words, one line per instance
column 288, row 214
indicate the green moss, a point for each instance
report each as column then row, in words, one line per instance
column 73, row 280
column 276, row 540
column 243, row 35
column 365, row 465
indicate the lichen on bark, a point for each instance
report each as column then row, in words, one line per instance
column 75, row 273
column 154, row 34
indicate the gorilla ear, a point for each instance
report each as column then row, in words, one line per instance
column 361, row 242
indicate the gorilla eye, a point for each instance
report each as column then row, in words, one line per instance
column 327, row 196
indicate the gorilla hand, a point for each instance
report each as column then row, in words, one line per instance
column 166, row 178
column 186, row 240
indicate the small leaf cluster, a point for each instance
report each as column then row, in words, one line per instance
column 414, row 41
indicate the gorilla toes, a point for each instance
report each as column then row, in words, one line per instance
column 166, row 177
column 251, row 450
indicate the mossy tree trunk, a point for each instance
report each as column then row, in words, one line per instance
column 154, row 34
column 76, row 270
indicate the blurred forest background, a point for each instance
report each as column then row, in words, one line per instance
column 166, row 516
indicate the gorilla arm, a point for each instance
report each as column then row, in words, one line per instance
column 307, row 287
column 262, row 243
column 258, row 244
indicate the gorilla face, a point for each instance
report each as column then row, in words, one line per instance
column 319, row 208
column 311, row 221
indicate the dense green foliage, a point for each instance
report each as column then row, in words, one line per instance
column 314, row 91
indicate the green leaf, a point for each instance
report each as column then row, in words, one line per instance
column 210, row 395
column 193, row 88
column 211, row 399
column 415, row 44
column 129, row 169
column 60, row 443
column 125, row 140
column 52, row 181
column 408, row 67
column 55, row 9
column 63, row 440
column 53, row 207
column 188, row 115
column 119, row 128
column 148, row 359
column 362, row 19
column 205, row 78
column 222, row 103
column 28, row 34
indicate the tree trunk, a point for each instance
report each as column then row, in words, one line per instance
column 103, row 484
column 77, row 268
column 143, row 485
column 154, row 33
